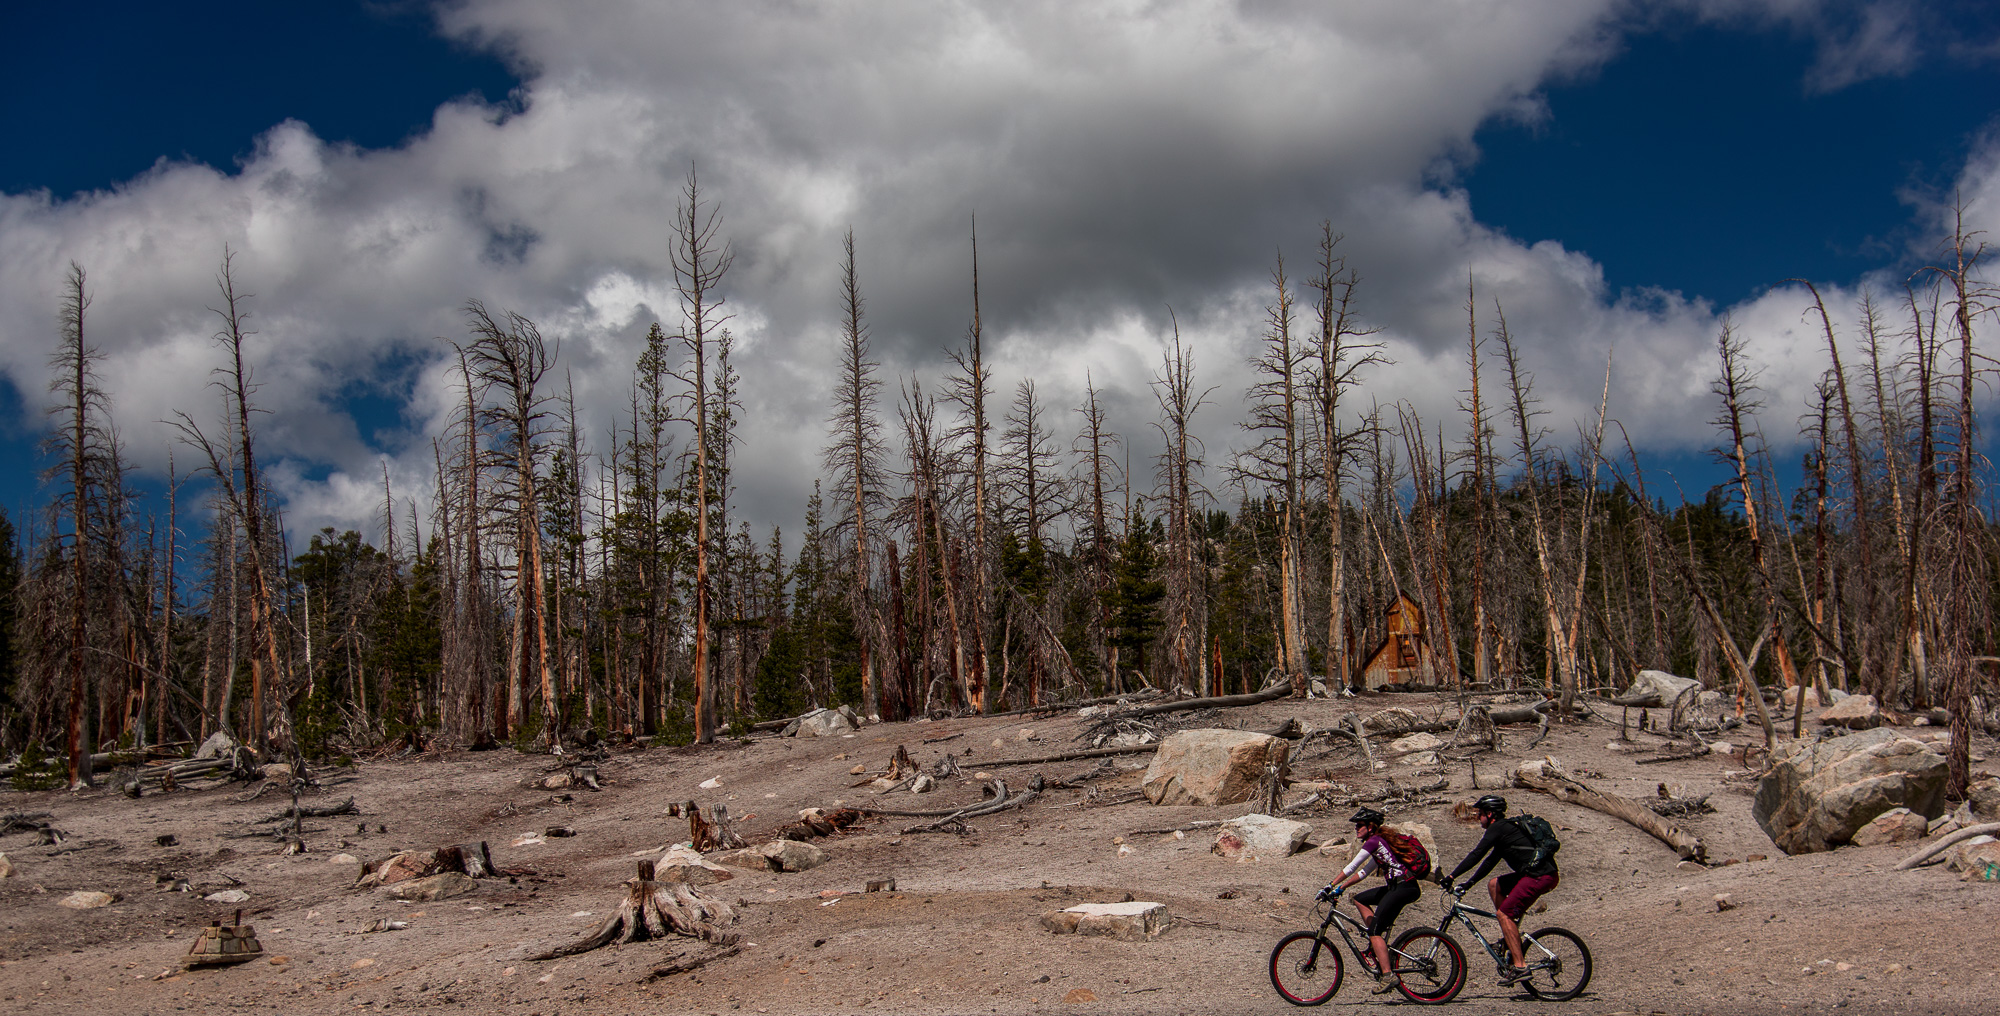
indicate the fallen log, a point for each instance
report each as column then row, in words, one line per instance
column 294, row 812
column 1001, row 802
column 1269, row 694
column 812, row 824
column 1918, row 858
column 1535, row 712
column 1549, row 777
column 655, row 910
column 1071, row 756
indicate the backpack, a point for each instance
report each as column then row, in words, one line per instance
column 1542, row 835
column 1410, row 852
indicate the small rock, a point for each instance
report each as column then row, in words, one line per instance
column 1690, row 866
column 883, row 784
column 1723, row 902
column 558, row 832
column 1077, row 995
column 368, row 961
column 923, row 784
column 711, row 783
column 998, row 743
column 279, row 961
column 89, row 900
column 1422, row 758
column 982, row 776
column 166, row 840
column 217, row 745
column 858, row 769
column 343, row 859
column 6, row 867
column 1754, row 857
column 1843, row 967
column 1089, row 711
column 1024, row 734
column 228, row 896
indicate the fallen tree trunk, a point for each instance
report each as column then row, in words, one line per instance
column 1918, row 858
column 1530, row 713
column 343, row 808
column 655, row 910
column 1549, row 777
column 1270, row 694
column 1068, row 756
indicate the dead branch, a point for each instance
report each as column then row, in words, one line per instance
column 1918, row 858
column 1360, row 734
column 683, row 966
column 1549, row 777
column 1207, row 823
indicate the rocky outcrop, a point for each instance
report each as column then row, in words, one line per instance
column 1210, row 767
column 1818, row 794
column 1132, row 922
column 1260, row 836
column 431, row 888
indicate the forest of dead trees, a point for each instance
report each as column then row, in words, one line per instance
column 967, row 549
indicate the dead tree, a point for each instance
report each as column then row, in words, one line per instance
column 968, row 388
column 854, row 458
column 509, row 360
column 1276, row 460
column 700, row 260
column 1343, row 351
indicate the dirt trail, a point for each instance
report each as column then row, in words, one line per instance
column 961, row 934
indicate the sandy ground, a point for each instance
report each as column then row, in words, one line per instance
column 961, row 934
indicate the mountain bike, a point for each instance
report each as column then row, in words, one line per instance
column 1558, row 961
column 1306, row 967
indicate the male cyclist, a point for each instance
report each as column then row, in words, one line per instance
column 1379, row 906
column 1512, row 893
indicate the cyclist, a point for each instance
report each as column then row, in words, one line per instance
column 1514, row 892
column 1379, row 906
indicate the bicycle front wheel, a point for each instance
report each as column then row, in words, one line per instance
column 1558, row 964
column 1430, row 964
column 1305, row 968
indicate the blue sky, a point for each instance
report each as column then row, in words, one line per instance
column 1619, row 175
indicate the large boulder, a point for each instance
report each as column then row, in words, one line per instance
column 1657, row 689
column 683, row 864
column 1855, row 712
column 1422, row 741
column 218, row 745
column 1982, row 801
column 821, row 723
column 1819, row 793
column 1210, row 767
column 1255, row 836
column 792, row 855
column 1791, row 696
column 431, row 888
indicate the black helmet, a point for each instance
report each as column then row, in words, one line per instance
column 1491, row 803
column 1367, row 816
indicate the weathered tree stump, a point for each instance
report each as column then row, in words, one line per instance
column 654, row 910
column 718, row 833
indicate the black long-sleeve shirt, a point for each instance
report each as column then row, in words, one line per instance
column 1504, row 839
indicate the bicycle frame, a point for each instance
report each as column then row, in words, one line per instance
column 1498, row 948
column 1364, row 953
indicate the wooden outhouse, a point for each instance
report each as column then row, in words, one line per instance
column 1405, row 657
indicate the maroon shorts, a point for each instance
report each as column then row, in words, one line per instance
column 1517, row 891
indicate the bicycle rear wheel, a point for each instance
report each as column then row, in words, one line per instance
column 1305, row 968
column 1558, row 964
column 1430, row 964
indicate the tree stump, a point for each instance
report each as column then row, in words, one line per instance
column 653, row 910
column 716, row 834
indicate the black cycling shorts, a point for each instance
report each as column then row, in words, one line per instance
column 1388, row 901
